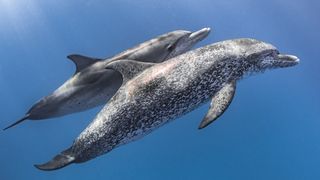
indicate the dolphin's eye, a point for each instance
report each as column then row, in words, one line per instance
column 171, row 47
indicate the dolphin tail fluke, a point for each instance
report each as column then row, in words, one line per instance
column 58, row 162
column 18, row 122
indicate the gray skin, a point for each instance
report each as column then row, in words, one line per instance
column 93, row 85
column 158, row 94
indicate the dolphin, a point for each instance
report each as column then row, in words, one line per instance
column 153, row 95
column 93, row 85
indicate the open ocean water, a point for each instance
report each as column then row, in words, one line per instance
column 270, row 131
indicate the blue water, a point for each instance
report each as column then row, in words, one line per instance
column 270, row 131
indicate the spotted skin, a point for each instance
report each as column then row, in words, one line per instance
column 167, row 91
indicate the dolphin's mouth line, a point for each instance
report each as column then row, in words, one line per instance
column 201, row 34
column 287, row 58
column 281, row 58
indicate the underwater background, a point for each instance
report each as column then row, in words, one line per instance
column 270, row 130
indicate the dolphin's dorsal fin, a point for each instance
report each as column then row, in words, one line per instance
column 129, row 68
column 219, row 103
column 82, row 62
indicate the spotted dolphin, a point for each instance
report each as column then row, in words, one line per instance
column 93, row 85
column 153, row 95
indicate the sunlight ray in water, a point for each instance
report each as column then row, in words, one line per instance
column 20, row 17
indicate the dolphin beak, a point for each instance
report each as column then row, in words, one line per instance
column 288, row 60
column 199, row 35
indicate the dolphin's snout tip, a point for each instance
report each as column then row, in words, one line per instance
column 200, row 34
column 297, row 60
column 289, row 58
column 207, row 29
column 293, row 58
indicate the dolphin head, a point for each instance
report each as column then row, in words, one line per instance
column 181, row 41
column 164, row 46
column 261, row 56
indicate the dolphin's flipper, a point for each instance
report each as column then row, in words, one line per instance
column 18, row 122
column 82, row 62
column 219, row 103
column 59, row 161
column 129, row 68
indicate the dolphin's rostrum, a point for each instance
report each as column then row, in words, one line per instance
column 160, row 93
column 93, row 85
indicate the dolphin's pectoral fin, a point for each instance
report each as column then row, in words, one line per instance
column 129, row 68
column 59, row 161
column 219, row 103
column 82, row 62
column 18, row 122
